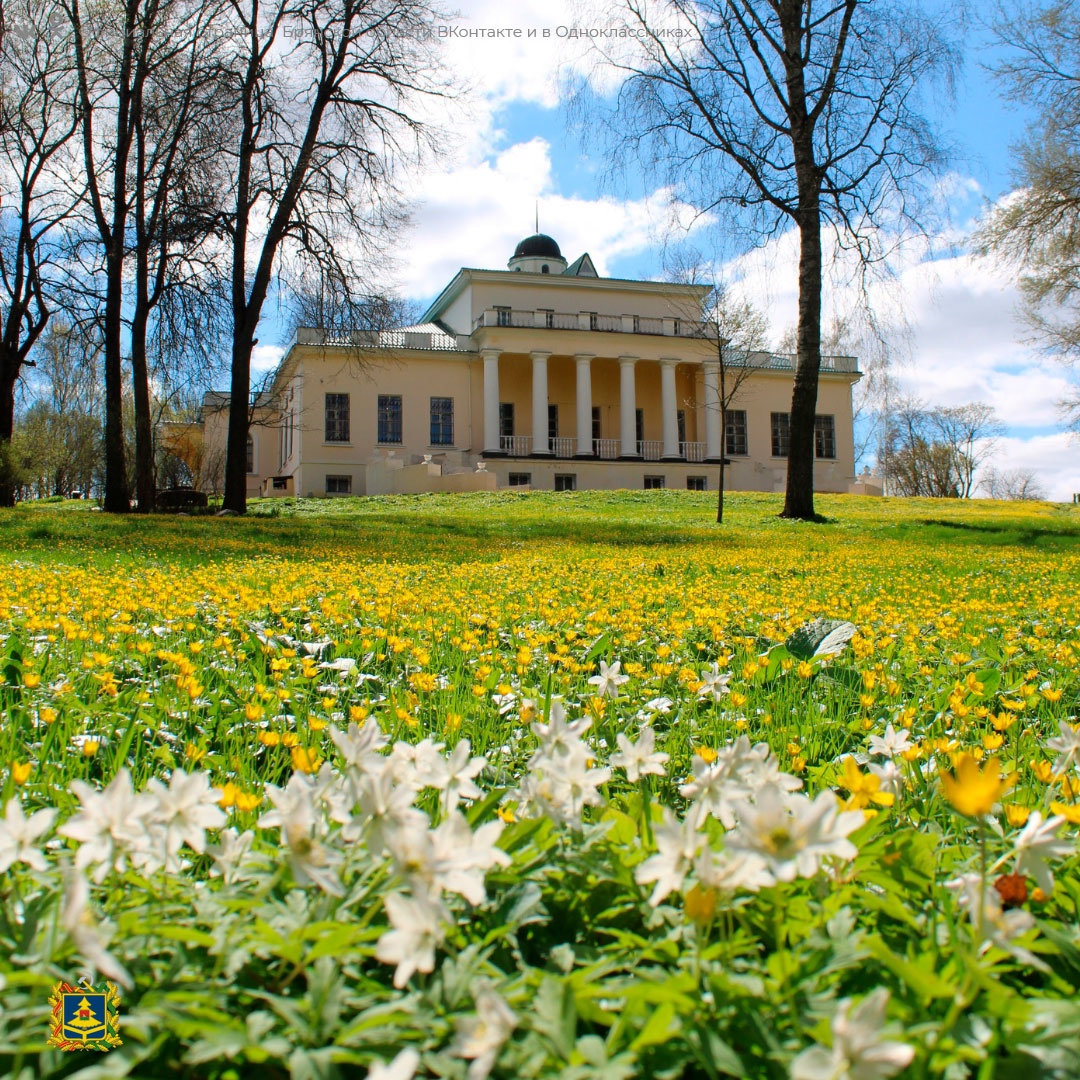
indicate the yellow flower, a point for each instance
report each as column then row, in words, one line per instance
column 357, row 714
column 47, row 715
column 706, row 753
column 1043, row 771
column 290, row 738
column 304, row 760
column 506, row 814
column 1070, row 813
column 316, row 724
column 31, row 680
column 229, row 791
column 253, row 712
column 269, row 738
column 246, row 801
column 700, row 905
column 865, row 788
column 20, row 772
column 992, row 740
column 973, row 790
column 194, row 753
column 804, row 670
column 1017, row 815
column 90, row 747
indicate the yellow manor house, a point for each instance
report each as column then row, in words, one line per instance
column 543, row 375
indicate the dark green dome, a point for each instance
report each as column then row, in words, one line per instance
column 538, row 246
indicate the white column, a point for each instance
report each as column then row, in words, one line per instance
column 669, row 408
column 540, row 442
column 584, row 404
column 491, row 401
column 714, row 433
column 627, row 407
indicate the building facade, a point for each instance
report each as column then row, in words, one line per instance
column 543, row 375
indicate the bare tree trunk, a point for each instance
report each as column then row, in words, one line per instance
column 144, row 434
column 799, row 496
column 117, row 500
column 236, row 445
column 8, row 365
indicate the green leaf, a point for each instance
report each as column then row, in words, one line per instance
column 661, row 1026
column 600, row 647
column 919, row 977
column 822, row 637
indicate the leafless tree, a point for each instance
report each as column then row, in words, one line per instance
column 786, row 111
column 1018, row 485
column 150, row 73
column 58, row 433
column 326, row 99
column 972, row 431
column 1037, row 227
column 937, row 451
column 38, row 122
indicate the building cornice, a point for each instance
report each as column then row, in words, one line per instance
column 468, row 275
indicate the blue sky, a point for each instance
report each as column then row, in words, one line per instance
column 510, row 145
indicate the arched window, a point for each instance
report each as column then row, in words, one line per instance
column 544, row 269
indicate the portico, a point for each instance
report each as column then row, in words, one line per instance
column 550, row 388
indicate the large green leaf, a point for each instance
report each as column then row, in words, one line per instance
column 822, row 637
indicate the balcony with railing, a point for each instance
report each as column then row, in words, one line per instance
column 591, row 320
column 563, row 448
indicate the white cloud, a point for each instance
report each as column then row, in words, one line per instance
column 967, row 342
column 475, row 214
column 1053, row 458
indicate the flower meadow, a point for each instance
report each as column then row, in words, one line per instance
column 573, row 786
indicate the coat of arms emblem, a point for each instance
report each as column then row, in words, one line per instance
column 84, row 1018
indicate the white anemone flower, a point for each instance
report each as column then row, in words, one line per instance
column 186, row 809
column 609, row 680
column 729, row 871
column 480, row 1037
column 793, row 833
column 19, row 835
column 557, row 736
column 111, row 827
column 1067, row 746
column 230, row 852
column 403, row 1067
column 1035, row 844
column 998, row 926
column 860, row 1049
column 79, row 923
column 715, row 790
column 714, row 683
column 677, row 845
column 301, row 824
column 564, row 785
column 453, row 776
column 891, row 744
column 640, row 758
column 360, row 746
column 418, row 930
